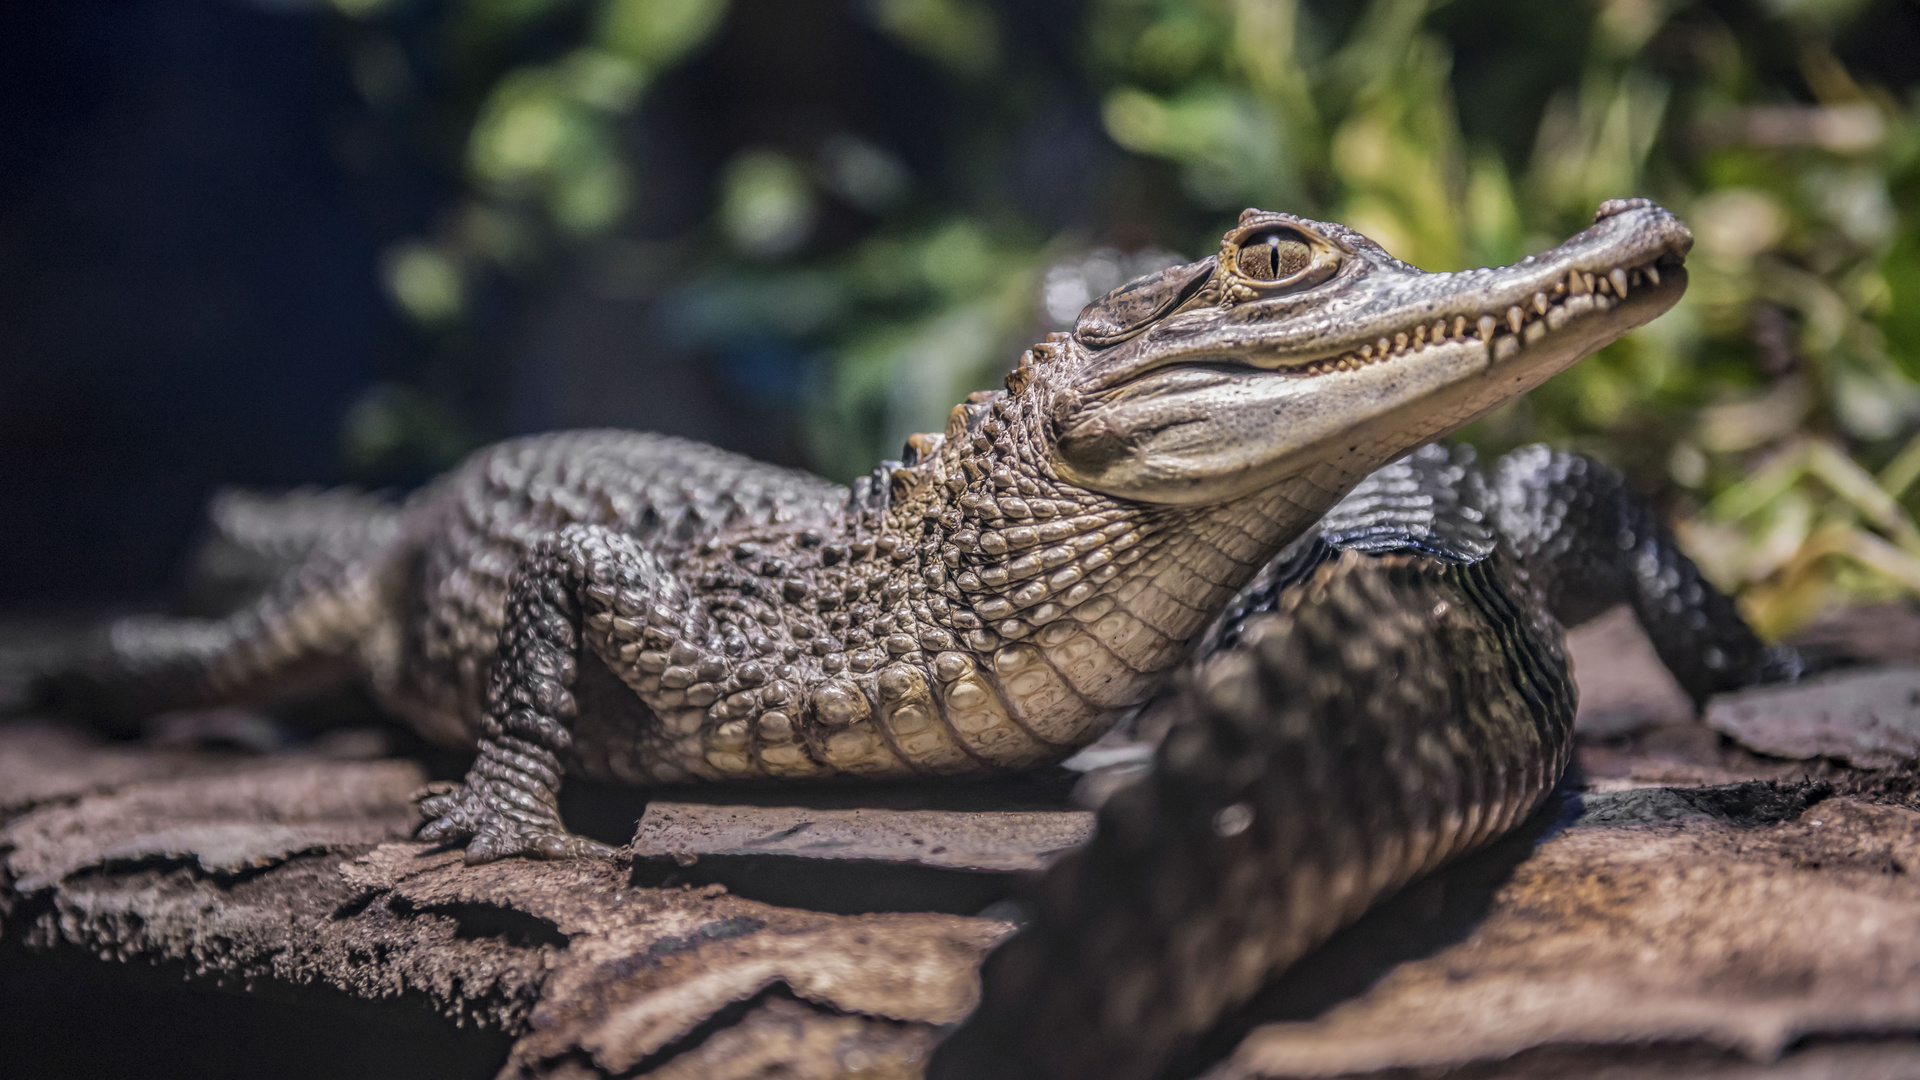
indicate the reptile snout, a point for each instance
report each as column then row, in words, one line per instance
column 1673, row 234
column 1619, row 206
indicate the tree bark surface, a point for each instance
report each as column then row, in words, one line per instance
column 1695, row 910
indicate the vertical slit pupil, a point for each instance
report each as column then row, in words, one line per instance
column 1274, row 257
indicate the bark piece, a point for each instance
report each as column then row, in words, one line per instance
column 234, row 878
column 991, row 841
column 1870, row 719
column 1876, row 634
column 791, row 1040
column 645, row 967
column 238, row 823
column 45, row 762
column 1727, row 922
column 1731, row 932
column 276, row 879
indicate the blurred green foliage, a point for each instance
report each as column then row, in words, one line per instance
column 1776, row 411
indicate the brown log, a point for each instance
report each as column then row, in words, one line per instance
column 170, row 911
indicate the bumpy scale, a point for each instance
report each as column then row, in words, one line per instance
column 648, row 610
column 1388, row 694
column 1370, row 681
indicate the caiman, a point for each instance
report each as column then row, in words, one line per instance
column 1357, row 697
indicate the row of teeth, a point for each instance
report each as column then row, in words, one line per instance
column 1548, row 308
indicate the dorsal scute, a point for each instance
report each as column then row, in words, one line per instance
column 964, row 421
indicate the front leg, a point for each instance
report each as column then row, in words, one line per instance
column 508, row 804
column 1590, row 541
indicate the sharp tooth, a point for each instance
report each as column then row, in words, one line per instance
column 1439, row 329
column 1399, row 342
column 1619, row 279
column 1383, row 346
column 1559, row 287
column 1486, row 327
column 1366, row 352
column 1420, row 335
column 1587, row 280
column 1653, row 276
column 1540, row 304
column 1459, row 326
column 1516, row 319
column 1579, row 284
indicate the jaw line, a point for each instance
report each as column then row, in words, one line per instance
column 1507, row 367
column 1298, row 333
column 1378, row 410
column 1323, row 386
column 1566, row 309
column 1568, row 317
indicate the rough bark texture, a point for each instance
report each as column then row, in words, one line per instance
column 294, row 878
column 1676, row 918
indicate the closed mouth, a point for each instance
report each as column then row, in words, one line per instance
column 1578, row 294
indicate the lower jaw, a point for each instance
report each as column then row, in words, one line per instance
column 1635, row 310
column 1483, row 377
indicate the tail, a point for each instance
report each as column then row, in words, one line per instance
column 1390, row 714
column 302, row 635
column 254, row 539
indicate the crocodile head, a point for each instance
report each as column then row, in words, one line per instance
column 1073, row 535
column 1303, row 349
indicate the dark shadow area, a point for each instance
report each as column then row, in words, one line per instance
column 84, row 1019
column 491, row 921
column 1865, row 1057
column 186, row 285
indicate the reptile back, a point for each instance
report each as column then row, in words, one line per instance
column 463, row 539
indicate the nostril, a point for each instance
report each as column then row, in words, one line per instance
column 1618, row 206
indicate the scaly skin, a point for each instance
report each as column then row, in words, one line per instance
column 1388, row 694
column 1368, row 686
column 1039, row 569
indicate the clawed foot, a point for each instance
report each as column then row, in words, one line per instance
column 456, row 814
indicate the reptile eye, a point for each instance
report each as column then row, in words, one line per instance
column 1274, row 256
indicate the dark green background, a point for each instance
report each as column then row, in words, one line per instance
column 282, row 241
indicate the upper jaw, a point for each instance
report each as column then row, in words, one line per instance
column 1624, row 268
column 1333, row 381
